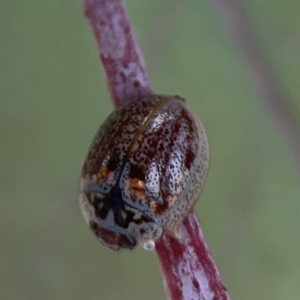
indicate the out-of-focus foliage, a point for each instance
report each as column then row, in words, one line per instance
column 53, row 98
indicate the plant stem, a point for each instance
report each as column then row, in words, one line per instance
column 119, row 53
column 187, row 266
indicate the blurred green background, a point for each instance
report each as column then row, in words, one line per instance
column 53, row 97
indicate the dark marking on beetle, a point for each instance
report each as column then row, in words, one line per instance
column 189, row 121
column 177, row 127
column 102, row 212
column 160, row 208
column 189, row 158
column 127, row 241
column 113, row 162
column 136, row 172
column 123, row 217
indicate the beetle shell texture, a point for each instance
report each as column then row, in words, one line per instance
column 144, row 171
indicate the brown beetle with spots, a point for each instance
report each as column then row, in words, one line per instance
column 144, row 171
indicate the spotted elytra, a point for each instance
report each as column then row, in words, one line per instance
column 144, row 171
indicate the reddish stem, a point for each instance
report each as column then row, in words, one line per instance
column 187, row 266
column 120, row 55
column 188, row 269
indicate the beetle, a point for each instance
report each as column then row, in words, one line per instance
column 144, row 171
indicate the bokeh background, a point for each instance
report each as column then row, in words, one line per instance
column 53, row 97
